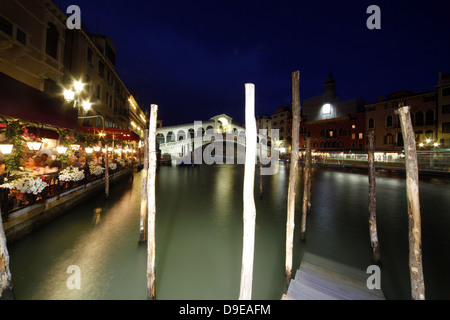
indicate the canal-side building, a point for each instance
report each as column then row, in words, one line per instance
column 382, row 119
column 91, row 59
column 32, row 41
column 42, row 58
column 333, row 125
column 443, row 110
column 344, row 134
column 328, row 106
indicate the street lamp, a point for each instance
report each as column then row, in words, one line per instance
column 74, row 95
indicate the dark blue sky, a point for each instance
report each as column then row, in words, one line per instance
column 192, row 58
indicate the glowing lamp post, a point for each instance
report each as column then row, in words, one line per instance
column 74, row 95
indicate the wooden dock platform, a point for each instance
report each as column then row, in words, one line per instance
column 322, row 279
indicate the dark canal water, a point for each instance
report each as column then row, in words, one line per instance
column 199, row 236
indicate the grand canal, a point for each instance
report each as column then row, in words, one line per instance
column 199, row 236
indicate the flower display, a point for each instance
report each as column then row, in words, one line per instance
column 120, row 162
column 95, row 169
column 26, row 184
column 71, row 174
column 113, row 166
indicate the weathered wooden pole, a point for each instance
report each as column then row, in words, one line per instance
column 249, row 214
column 372, row 199
column 309, row 155
column 144, row 199
column 151, row 245
column 412, row 196
column 260, row 171
column 306, row 187
column 6, row 287
column 106, row 173
column 290, row 223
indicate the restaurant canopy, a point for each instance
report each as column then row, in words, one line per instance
column 19, row 100
column 114, row 133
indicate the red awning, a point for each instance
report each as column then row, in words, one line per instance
column 114, row 133
column 19, row 100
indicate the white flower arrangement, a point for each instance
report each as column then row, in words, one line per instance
column 120, row 162
column 113, row 166
column 95, row 169
column 71, row 174
column 26, row 184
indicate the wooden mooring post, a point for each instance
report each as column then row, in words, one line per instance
column 306, row 187
column 372, row 199
column 249, row 214
column 151, row 194
column 412, row 196
column 144, row 198
column 6, row 287
column 106, row 172
column 260, row 171
column 290, row 223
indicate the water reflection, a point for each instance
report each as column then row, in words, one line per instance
column 199, row 236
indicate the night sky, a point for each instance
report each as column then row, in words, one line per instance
column 192, row 58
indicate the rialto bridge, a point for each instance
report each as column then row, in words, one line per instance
column 206, row 137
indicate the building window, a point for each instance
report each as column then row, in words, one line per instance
column 399, row 139
column 89, row 55
column 419, row 119
column 87, row 81
column 353, row 136
column 21, row 36
column 51, row 43
column 446, row 92
column 360, row 136
column 6, row 26
column 445, row 127
column 389, row 121
column 446, row 109
column 388, row 139
column 429, row 118
column 326, row 108
column 371, row 123
column 101, row 69
column 99, row 91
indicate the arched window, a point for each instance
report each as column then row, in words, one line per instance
column 181, row 135
column 399, row 139
column 420, row 119
column 429, row 118
column 388, row 139
column 160, row 138
column 200, row 132
column 191, row 133
column 315, row 145
column 389, row 121
column 322, row 133
column 51, row 42
column 371, row 123
column 170, row 137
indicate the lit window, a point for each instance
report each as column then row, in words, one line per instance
column 353, row 126
column 360, row 135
